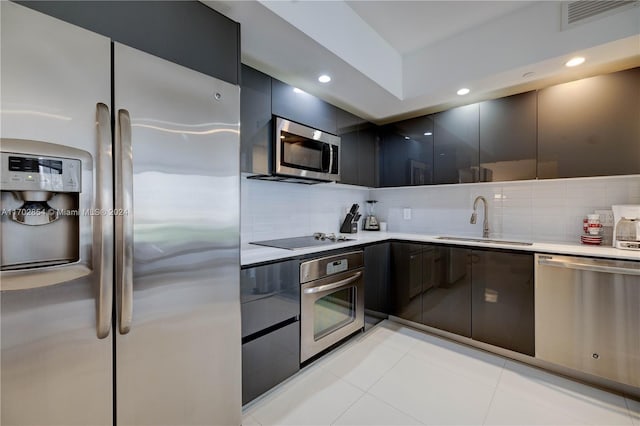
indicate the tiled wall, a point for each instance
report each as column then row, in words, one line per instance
column 272, row 210
column 538, row 210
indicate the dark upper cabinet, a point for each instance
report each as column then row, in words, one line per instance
column 456, row 144
column 446, row 292
column 406, row 153
column 358, row 144
column 502, row 301
column 590, row 127
column 508, row 138
column 376, row 282
column 301, row 107
column 184, row 32
column 256, row 133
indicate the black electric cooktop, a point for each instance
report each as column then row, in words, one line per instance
column 297, row 243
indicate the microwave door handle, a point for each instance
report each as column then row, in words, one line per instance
column 326, row 157
column 333, row 286
column 103, row 231
column 124, row 222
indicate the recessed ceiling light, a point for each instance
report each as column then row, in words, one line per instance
column 324, row 78
column 428, row 133
column 574, row 62
column 463, row 91
column 407, row 137
column 296, row 90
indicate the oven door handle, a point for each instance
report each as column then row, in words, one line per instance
column 332, row 286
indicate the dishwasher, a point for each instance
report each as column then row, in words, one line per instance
column 587, row 315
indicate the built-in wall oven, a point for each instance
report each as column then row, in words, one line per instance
column 332, row 301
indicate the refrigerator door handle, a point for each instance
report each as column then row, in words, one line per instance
column 124, row 222
column 103, row 231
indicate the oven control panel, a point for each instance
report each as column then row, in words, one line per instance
column 337, row 266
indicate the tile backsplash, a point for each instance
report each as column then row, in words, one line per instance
column 535, row 210
column 279, row 210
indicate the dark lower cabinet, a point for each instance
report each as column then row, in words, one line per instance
column 270, row 308
column 502, row 301
column 376, row 283
column 270, row 359
column 406, row 281
column 446, row 297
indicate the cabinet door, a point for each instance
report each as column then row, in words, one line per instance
column 590, row 127
column 301, row 107
column 269, row 295
column 406, row 281
column 508, row 138
column 256, row 132
column 376, row 283
column 503, row 297
column 446, row 298
column 407, row 153
column 456, row 145
column 368, row 155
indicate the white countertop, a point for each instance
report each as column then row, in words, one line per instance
column 251, row 254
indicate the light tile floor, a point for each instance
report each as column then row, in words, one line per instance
column 395, row 375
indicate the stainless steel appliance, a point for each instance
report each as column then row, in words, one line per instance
column 332, row 301
column 298, row 243
column 301, row 151
column 626, row 232
column 587, row 313
column 172, row 353
column 371, row 221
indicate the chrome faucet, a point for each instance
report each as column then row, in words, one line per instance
column 474, row 215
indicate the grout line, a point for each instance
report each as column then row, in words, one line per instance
column 347, row 409
column 630, row 412
column 495, row 390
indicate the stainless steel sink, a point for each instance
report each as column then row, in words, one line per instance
column 486, row 240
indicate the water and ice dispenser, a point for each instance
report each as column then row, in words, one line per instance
column 40, row 224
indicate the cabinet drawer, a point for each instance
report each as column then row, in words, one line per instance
column 270, row 359
column 269, row 295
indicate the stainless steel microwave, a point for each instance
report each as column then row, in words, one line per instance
column 301, row 151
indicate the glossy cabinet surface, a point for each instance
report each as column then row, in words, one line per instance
column 184, row 32
column 270, row 359
column 256, row 135
column 407, row 153
column 270, row 307
column 456, row 135
column 302, row 107
column 446, row 297
column 503, row 299
column 269, row 295
column 376, row 282
column 590, row 127
column 358, row 142
column 508, row 138
column 406, row 281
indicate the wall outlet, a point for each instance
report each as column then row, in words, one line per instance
column 606, row 217
column 406, row 214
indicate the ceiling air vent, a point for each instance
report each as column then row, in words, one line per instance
column 582, row 11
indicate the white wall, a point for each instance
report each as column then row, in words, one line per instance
column 272, row 210
column 537, row 210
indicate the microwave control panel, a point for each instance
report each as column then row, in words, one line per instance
column 23, row 172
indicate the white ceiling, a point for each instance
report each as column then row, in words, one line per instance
column 397, row 59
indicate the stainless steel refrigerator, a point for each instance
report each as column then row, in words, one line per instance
column 126, row 311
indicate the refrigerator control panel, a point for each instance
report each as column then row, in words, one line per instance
column 22, row 172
